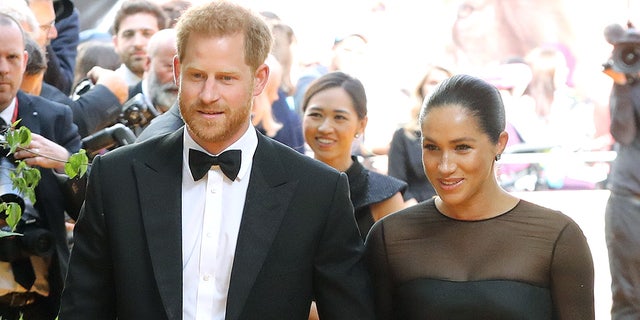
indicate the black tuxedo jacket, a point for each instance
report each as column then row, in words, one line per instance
column 297, row 240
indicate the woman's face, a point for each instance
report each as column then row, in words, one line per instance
column 330, row 124
column 457, row 155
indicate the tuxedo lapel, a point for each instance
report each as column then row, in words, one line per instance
column 268, row 197
column 160, row 184
column 27, row 113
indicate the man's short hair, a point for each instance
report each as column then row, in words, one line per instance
column 222, row 18
column 37, row 61
column 131, row 7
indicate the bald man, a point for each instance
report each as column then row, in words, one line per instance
column 158, row 86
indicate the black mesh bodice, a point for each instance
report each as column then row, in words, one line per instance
column 528, row 263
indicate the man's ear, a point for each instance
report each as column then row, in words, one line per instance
column 261, row 76
column 25, row 59
column 147, row 63
column 176, row 70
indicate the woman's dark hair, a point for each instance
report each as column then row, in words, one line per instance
column 351, row 85
column 481, row 99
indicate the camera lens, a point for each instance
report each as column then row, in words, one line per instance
column 630, row 55
column 626, row 58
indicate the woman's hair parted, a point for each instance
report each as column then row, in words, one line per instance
column 481, row 99
column 337, row 79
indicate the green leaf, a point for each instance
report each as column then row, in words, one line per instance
column 77, row 164
column 25, row 178
column 14, row 213
column 20, row 137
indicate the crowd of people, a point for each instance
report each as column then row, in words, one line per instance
column 304, row 204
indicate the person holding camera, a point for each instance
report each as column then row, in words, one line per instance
column 31, row 284
column 622, row 218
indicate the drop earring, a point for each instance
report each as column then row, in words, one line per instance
column 498, row 157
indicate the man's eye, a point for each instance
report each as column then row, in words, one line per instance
column 197, row 76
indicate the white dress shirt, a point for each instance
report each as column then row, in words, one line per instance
column 7, row 113
column 211, row 213
column 129, row 77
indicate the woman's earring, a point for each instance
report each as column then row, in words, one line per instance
column 498, row 156
column 357, row 135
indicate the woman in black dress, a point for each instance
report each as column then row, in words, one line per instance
column 405, row 151
column 335, row 114
column 475, row 251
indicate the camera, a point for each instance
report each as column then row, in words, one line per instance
column 108, row 138
column 625, row 57
column 136, row 113
column 34, row 240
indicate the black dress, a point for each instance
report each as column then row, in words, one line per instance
column 528, row 263
column 367, row 188
column 405, row 163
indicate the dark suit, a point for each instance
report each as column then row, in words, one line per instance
column 135, row 89
column 169, row 121
column 63, row 50
column 297, row 239
column 405, row 163
column 54, row 122
column 96, row 109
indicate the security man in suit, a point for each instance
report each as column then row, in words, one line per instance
column 31, row 285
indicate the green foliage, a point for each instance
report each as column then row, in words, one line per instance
column 25, row 178
column 77, row 164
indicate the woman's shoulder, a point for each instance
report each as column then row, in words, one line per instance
column 379, row 187
column 541, row 214
column 380, row 182
column 423, row 210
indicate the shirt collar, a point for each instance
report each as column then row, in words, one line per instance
column 7, row 113
column 248, row 143
column 145, row 92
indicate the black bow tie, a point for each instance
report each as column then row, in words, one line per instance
column 200, row 163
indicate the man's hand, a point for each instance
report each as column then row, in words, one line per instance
column 110, row 79
column 43, row 153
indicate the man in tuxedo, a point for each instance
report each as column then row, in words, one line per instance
column 31, row 286
column 254, row 233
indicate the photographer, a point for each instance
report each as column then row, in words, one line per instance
column 31, row 288
column 622, row 218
